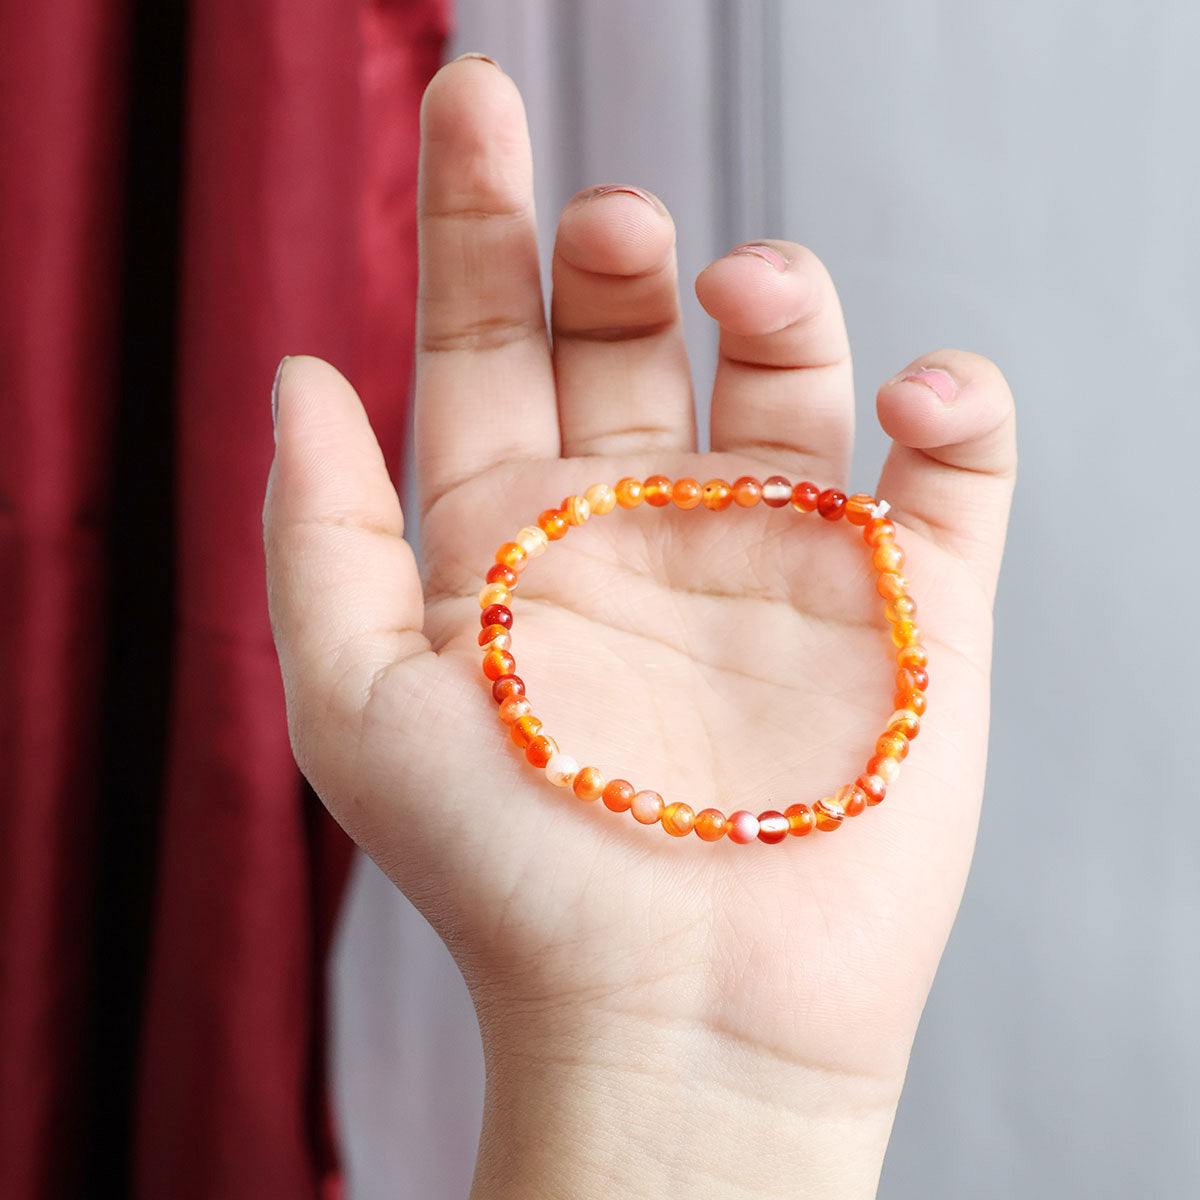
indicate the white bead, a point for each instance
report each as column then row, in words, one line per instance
column 902, row 714
column 532, row 540
column 561, row 770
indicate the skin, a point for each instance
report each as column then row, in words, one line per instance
column 660, row 1017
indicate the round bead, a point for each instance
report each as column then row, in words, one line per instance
column 532, row 540
column 888, row 557
column 678, row 819
column 718, row 496
column 496, row 614
column 589, row 783
column 902, row 608
column 742, row 827
column 912, row 679
column 874, row 787
column 618, row 795
column 576, row 509
column 629, row 492
column 828, row 814
column 747, row 492
column 525, row 729
column 512, row 556
column 494, row 593
column 852, row 799
column 657, row 491
column 772, row 825
column 499, row 573
column 513, row 708
column 913, row 656
column 553, row 524
column 776, row 492
column 602, row 499
column 805, row 496
column 801, row 821
column 892, row 744
column 905, row 721
column 711, row 825
column 912, row 700
column 831, row 504
column 888, row 769
column 647, row 807
column 507, row 685
column 859, row 508
column 541, row 750
column 878, row 530
column 890, row 585
column 685, row 493
column 561, row 769
column 497, row 663
column 494, row 633
column 905, row 633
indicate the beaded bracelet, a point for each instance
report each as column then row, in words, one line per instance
column 648, row 807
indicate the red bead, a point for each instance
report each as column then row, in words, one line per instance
column 746, row 492
column 686, row 494
column 772, row 827
column 496, row 614
column 776, row 492
column 801, row 821
column 831, row 504
column 499, row 573
column 657, row 491
column 618, row 795
column 507, row 685
column 805, row 497
column 742, row 827
column 718, row 496
column 541, row 750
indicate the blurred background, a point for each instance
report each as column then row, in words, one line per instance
column 203, row 993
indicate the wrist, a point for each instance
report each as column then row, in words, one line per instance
column 633, row 1109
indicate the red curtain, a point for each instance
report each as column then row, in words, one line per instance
column 293, row 176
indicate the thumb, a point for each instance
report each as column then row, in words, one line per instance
column 342, row 584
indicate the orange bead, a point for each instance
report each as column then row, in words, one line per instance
column 497, row 663
column 852, row 799
column 772, row 826
column 801, row 821
column 686, row 493
column 512, row 556
column 576, row 509
column 710, row 825
column 507, row 685
column 747, row 492
column 513, row 708
column 888, row 769
column 742, row 827
column 860, row 508
column 678, row 819
column 553, row 524
column 589, row 784
column 888, row 557
column 905, row 721
column 541, row 750
column 499, row 573
column 890, row 585
column 601, row 498
column 776, row 492
column 892, row 744
column 913, row 656
column 492, row 635
column 647, row 807
column 873, row 787
column 718, row 496
column 805, row 496
column 629, row 492
column 493, row 593
column 828, row 814
column 905, row 633
column 525, row 729
column 618, row 795
column 878, row 530
column 657, row 491
column 831, row 504
column 912, row 679
column 902, row 608
column 914, row 701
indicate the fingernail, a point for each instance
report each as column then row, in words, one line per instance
column 766, row 253
column 938, row 382
column 608, row 188
column 275, row 392
column 479, row 57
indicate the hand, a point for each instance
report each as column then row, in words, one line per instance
column 660, row 1016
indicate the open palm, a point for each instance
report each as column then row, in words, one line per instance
column 734, row 659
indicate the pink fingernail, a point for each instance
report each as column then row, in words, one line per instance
column 474, row 54
column 937, row 381
column 766, row 253
column 275, row 392
column 608, row 188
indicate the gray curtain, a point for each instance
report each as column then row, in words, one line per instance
column 1021, row 179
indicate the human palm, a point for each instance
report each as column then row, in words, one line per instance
column 735, row 659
